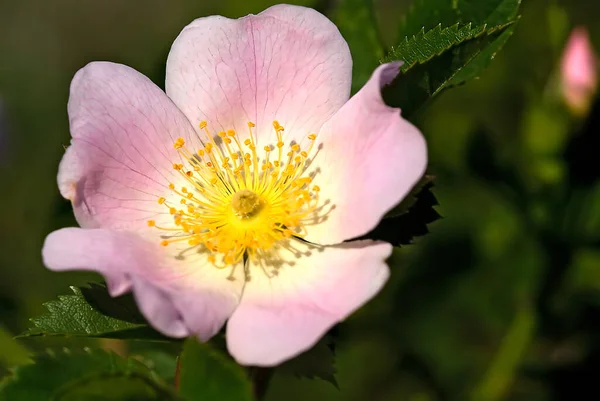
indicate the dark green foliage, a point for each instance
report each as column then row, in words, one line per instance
column 90, row 375
column 317, row 362
column 208, row 375
column 445, row 43
column 91, row 312
column 401, row 227
column 426, row 14
column 357, row 23
column 439, row 59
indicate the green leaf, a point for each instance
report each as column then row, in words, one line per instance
column 445, row 43
column 485, row 55
column 207, row 375
column 425, row 45
column 401, row 229
column 357, row 23
column 318, row 362
column 411, row 198
column 426, row 14
column 91, row 375
column 121, row 308
column 73, row 315
column 439, row 59
column 160, row 361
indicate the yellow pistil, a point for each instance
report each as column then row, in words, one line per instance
column 236, row 203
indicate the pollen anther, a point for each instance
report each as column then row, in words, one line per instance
column 236, row 202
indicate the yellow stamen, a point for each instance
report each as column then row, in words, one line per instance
column 237, row 203
column 179, row 143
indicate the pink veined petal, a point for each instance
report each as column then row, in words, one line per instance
column 179, row 292
column 287, row 63
column 315, row 288
column 121, row 155
column 369, row 158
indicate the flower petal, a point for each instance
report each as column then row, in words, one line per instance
column 179, row 296
column 287, row 63
column 315, row 288
column 117, row 284
column 157, row 307
column 369, row 159
column 121, row 157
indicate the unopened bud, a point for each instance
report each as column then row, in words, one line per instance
column 579, row 74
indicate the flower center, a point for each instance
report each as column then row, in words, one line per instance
column 245, row 203
column 236, row 203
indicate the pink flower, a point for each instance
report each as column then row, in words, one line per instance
column 579, row 72
column 229, row 198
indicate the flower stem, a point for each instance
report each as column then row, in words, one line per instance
column 177, row 379
column 261, row 378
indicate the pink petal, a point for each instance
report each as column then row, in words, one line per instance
column 287, row 63
column 179, row 292
column 158, row 308
column 369, row 159
column 117, row 284
column 121, row 156
column 282, row 316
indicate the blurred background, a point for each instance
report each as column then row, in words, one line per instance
column 501, row 301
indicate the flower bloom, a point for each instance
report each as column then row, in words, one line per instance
column 230, row 196
column 579, row 74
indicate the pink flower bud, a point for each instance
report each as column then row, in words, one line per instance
column 579, row 76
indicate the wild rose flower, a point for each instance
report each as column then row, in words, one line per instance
column 230, row 196
column 579, row 74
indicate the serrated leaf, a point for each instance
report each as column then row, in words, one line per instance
column 72, row 315
column 122, row 308
column 83, row 375
column 357, row 23
column 116, row 388
column 318, row 362
column 207, row 375
column 480, row 62
column 401, row 229
column 425, row 45
column 426, row 14
column 410, row 199
column 439, row 59
column 445, row 43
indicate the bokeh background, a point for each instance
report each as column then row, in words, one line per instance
column 501, row 301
